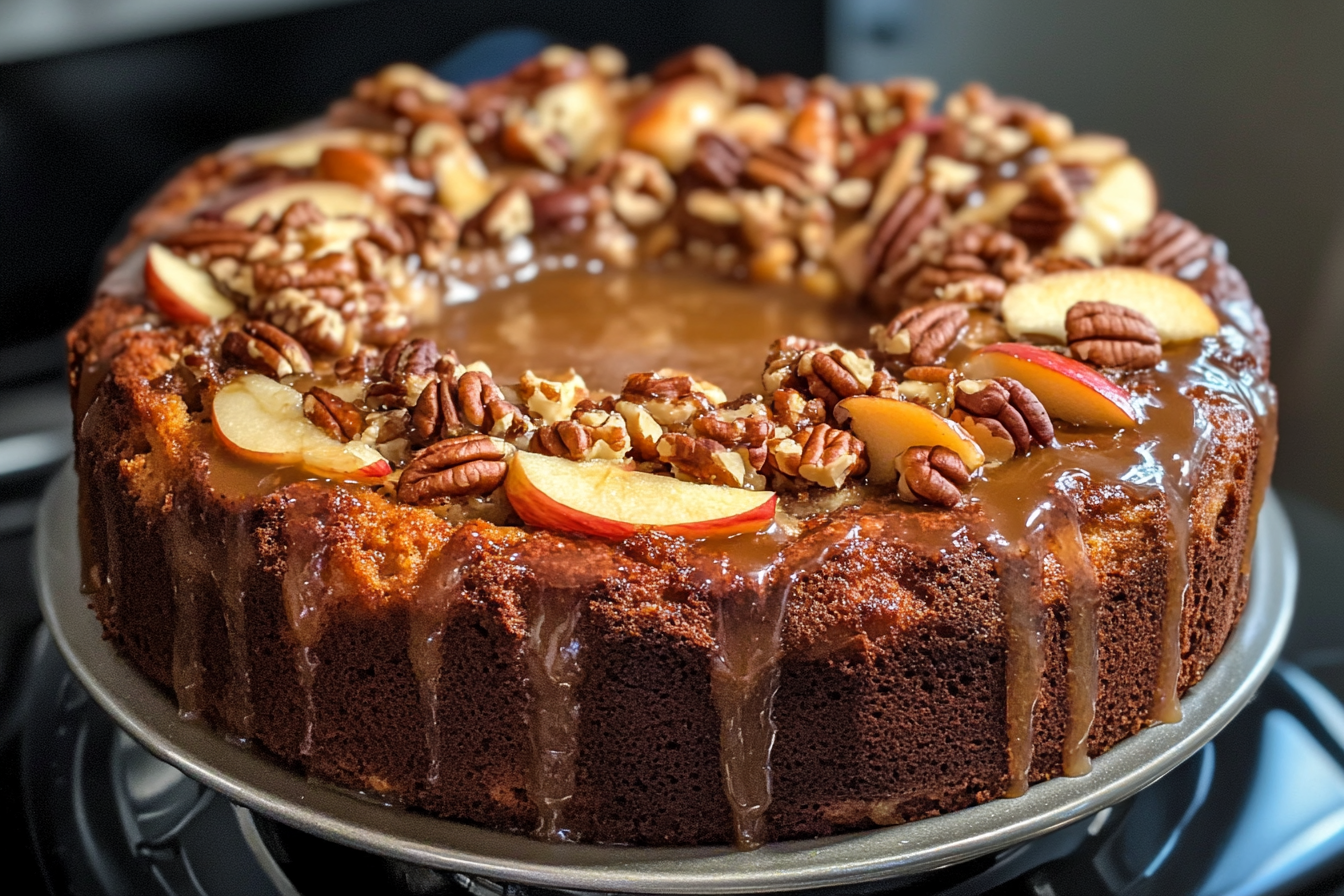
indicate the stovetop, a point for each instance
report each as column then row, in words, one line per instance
column 85, row 810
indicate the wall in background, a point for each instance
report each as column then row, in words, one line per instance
column 1238, row 106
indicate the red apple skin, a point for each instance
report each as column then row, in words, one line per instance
column 174, row 307
column 544, row 512
column 370, row 473
column 1113, row 408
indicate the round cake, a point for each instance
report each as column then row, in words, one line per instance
column 687, row 458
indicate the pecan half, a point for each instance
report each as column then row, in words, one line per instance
column 1110, row 335
column 337, row 417
column 836, row 374
column 936, row 475
column 915, row 210
column 265, row 349
column 453, row 468
column 436, row 415
column 719, row 159
column 483, row 405
column 1170, row 245
column 1049, row 209
column 923, row 333
column 1011, row 404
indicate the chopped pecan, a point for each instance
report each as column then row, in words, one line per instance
column 836, row 374
column 504, row 218
column 265, row 349
column 1110, row 335
column 924, row 333
column 644, row 431
column 483, row 405
column 782, row 167
column 936, row 475
column 929, row 386
column 320, row 328
column 820, row 454
column 792, row 409
column 719, row 159
column 337, row 417
column 591, row 434
column 1171, row 245
column 671, row 398
column 705, row 460
column 641, row 189
column 1049, row 209
column 453, row 468
column 1010, row 403
column 705, row 59
column 357, row 365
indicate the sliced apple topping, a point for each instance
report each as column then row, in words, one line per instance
column 889, row 426
column 183, row 292
column 1119, row 205
column 333, row 198
column 667, row 122
column 1040, row 307
column 1070, row 390
column 262, row 420
column 603, row 499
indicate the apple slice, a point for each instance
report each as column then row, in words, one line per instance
column 667, row 122
column 1070, row 390
column 602, row 499
column 1039, row 307
column 262, row 420
column 182, row 291
column 345, row 460
column 1119, row 205
column 888, row 426
column 333, row 198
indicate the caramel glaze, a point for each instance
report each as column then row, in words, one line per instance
column 1025, row 513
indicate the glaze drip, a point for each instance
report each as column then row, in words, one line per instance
column 1071, row 550
column 439, row 589
column 1024, row 620
column 190, row 572
column 744, row 669
column 305, row 590
column 555, row 598
column 240, row 559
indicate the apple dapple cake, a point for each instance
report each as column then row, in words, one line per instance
column 686, row 458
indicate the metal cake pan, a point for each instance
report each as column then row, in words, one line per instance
column 253, row 779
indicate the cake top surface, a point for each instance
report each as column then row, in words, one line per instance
column 702, row 301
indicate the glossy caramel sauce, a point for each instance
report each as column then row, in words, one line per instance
column 613, row 323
